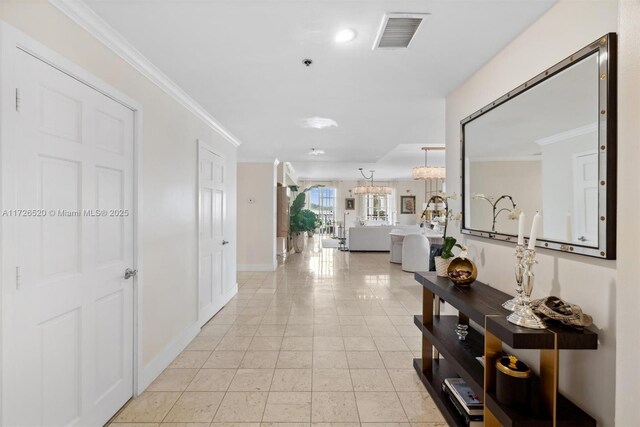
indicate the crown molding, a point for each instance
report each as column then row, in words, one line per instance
column 289, row 168
column 532, row 158
column 86, row 18
column 271, row 160
column 571, row 133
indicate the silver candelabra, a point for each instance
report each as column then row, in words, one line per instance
column 516, row 302
column 523, row 314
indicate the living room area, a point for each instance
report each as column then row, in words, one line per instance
column 367, row 214
column 364, row 212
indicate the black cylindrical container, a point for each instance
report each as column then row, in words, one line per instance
column 513, row 381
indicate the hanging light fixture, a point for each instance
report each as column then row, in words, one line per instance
column 371, row 188
column 429, row 172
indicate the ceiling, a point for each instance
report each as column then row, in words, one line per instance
column 395, row 165
column 242, row 61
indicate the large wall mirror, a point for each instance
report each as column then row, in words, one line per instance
column 549, row 146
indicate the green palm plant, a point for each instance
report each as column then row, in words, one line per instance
column 310, row 220
column 300, row 219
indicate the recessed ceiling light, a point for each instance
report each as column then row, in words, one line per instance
column 316, row 152
column 318, row 123
column 345, row 36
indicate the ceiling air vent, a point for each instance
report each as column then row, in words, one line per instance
column 397, row 30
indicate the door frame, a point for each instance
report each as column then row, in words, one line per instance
column 12, row 40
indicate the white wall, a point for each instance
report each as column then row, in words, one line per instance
column 627, row 294
column 170, row 238
column 342, row 193
column 520, row 179
column 587, row 377
column 408, row 188
column 257, row 216
column 415, row 188
column 558, row 184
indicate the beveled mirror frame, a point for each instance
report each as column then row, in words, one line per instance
column 607, row 152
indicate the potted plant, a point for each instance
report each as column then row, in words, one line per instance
column 311, row 221
column 300, row 220
column 445, row 258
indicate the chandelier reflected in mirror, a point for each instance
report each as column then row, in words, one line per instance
column 429, row 172
column 370, row 187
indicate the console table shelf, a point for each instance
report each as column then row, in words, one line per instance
column 568, row 415
column 433, row 382
column 483, row 305
column 517, row 337
column 460, row 354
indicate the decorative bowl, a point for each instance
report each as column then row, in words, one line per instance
column 462, row 271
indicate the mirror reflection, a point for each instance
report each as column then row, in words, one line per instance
column 538, row 152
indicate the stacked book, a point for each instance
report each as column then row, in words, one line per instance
column 468, row 404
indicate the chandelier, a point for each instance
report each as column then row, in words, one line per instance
column 371, row 188
column 429, row 172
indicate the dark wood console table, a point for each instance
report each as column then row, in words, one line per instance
column 483, row 305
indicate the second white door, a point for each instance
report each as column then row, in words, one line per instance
column 212, row 239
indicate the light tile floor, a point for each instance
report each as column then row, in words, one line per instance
column 328, row 339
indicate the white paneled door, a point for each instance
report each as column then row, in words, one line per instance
column 212, row 244
column 585, row 198
column 70, row 338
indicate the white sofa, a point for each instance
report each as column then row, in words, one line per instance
column 375, row 238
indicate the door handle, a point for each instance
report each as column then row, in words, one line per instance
column 224, row 242
column 129, row 273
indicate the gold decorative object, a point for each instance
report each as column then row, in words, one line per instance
column 511, row 368
column 462, row 271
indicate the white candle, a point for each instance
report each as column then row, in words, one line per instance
column 534, row 231
column 569, row 226
column 521, row 220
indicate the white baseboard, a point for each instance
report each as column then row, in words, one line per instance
column 223, row 301
column 166, row 356
column 179, row 343
column 258, row 267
